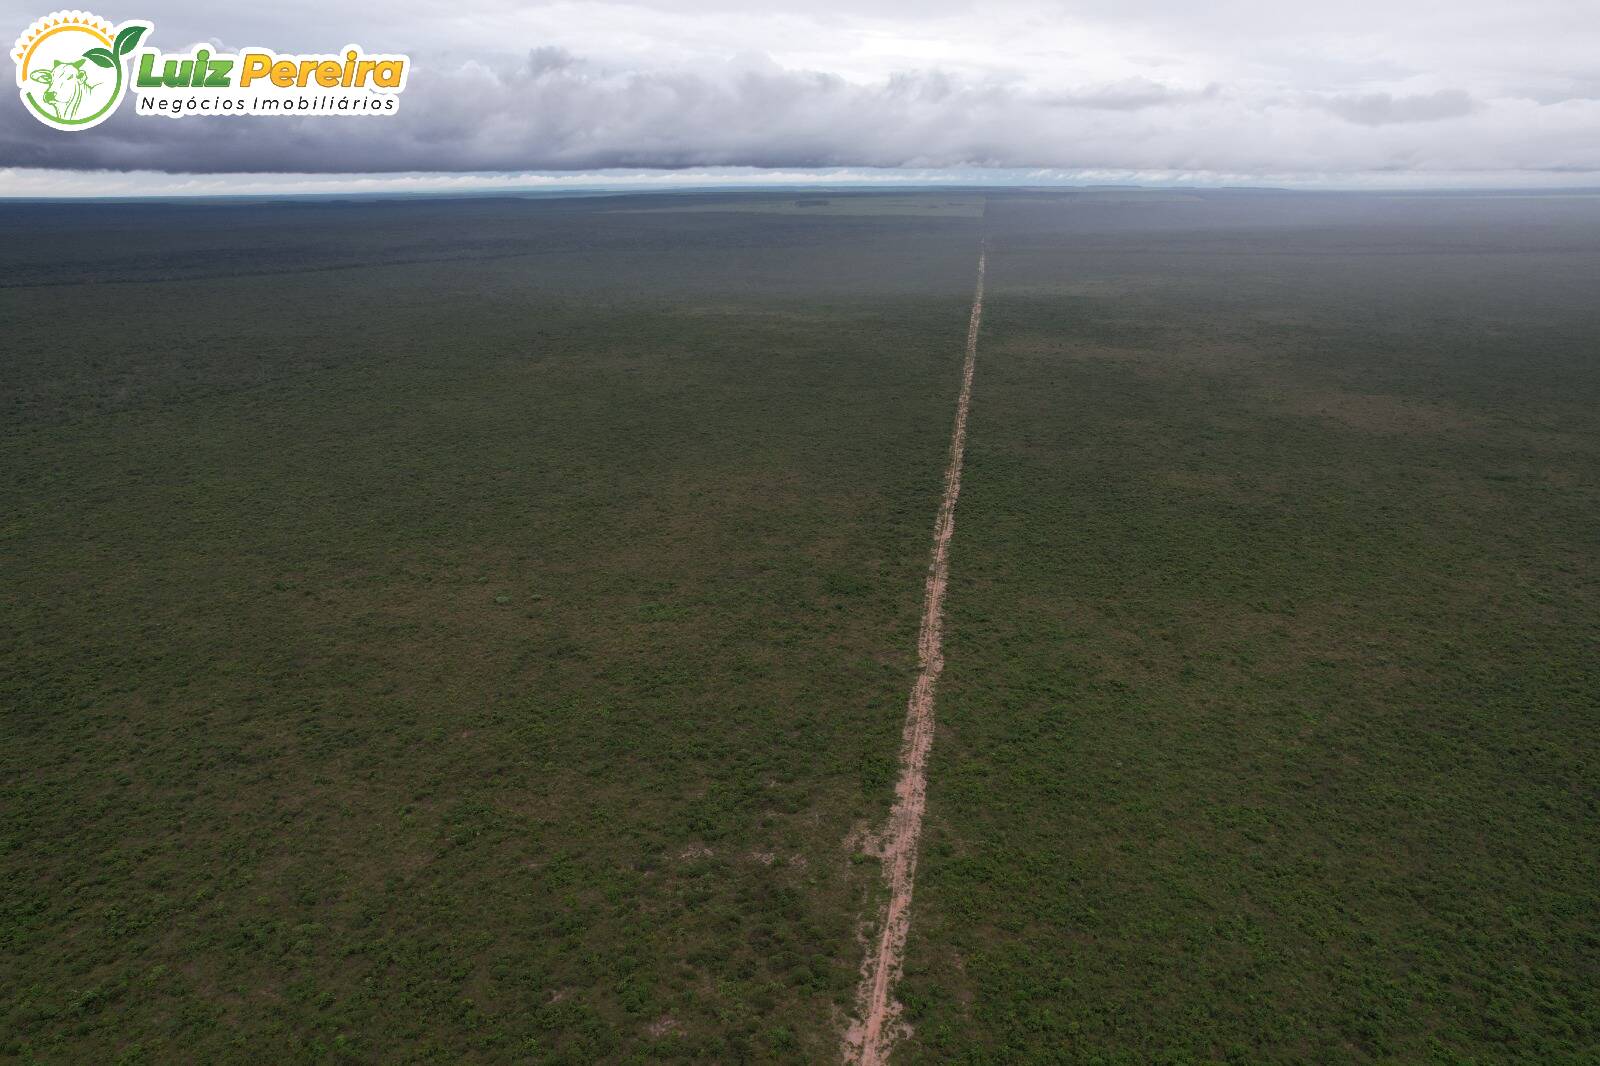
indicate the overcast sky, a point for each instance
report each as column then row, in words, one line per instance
column 1405, row 92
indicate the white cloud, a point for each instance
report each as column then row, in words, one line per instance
column 1381, row 109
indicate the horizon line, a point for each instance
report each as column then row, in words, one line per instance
column 36, row 184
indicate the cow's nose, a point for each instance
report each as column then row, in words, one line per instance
column 49, row 98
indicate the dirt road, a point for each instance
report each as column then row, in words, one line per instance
column 870, row 1036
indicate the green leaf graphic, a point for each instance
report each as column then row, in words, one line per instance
column 100, row 57
column 128, row 38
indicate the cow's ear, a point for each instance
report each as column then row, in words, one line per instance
column 40, row 76
column 79, row 62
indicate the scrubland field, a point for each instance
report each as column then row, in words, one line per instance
column 480, row 630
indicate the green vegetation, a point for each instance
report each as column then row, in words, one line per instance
column 459, row 659
column 1269, row 722
column 474, row 630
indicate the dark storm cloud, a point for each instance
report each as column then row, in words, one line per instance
column 554, row 111
column 551, row 110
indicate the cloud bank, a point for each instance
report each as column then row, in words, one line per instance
column 1146, row 85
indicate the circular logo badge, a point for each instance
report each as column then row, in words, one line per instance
column 70, row 68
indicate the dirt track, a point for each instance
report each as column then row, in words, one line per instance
column 872, row 1033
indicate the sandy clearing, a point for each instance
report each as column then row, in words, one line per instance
column 870, row 1035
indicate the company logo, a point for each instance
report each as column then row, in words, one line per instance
column 70, row 67
column 74, row 68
